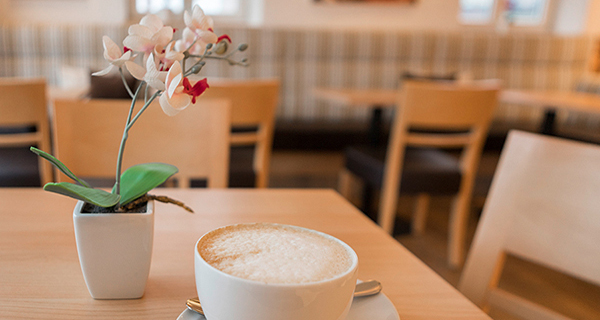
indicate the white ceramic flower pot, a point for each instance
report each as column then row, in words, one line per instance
column 115, row 251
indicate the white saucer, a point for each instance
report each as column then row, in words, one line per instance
column 377, row 307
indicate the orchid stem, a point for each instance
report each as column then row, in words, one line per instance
column 117, row 187
column 146, row 105
column 226, row 58
column 125, row 83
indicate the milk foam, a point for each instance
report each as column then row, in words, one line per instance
column 274, row 253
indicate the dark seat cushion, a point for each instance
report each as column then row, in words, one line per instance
column 241, row 170
column 424, row 170
column 111, row 86
column 19, row 168
column 428, row 77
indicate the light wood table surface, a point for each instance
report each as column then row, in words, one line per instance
column 373, row 98
column 369, row 98
column 551, row 101
column 40, row 276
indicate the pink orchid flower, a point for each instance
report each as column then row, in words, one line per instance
column 187, row 39
column 200, row 24
column 148, row 35
column 169, row 56
column 150, row 74
column 112, row 54
column 180, row 93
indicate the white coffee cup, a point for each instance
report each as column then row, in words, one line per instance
column 227, row 297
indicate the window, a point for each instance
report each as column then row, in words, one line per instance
column 527, row 12
column 219, row 8
column 476, row 11
column 227, row 8
column 512, row 12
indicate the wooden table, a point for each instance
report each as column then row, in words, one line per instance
column 551, row 101
column 40, row 277
column 374, row 99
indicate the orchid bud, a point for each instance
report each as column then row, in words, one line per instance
column 221, row 47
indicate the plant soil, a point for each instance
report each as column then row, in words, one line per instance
column 136, row 206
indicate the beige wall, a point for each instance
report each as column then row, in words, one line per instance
column 593, row 21
column 64, row 11
column 423, row 15
column 430, row 15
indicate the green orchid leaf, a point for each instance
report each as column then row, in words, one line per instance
column 94, row 196
column 61, row 166
column 139, row 179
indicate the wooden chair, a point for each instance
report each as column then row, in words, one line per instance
column 87, row 136
column 543, row 207
column 23, row 122
column 463, row 112
column 254, row 103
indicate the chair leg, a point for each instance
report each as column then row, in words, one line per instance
column 345, row 183
column 183, row 182
column 388, row 206
column 459, row 217
column 420, row 214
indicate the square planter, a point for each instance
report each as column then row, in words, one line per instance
column 115, row 251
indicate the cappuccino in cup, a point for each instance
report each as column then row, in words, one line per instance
column 275, row 253
column 266, row 271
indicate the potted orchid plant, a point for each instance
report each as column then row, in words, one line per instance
column 115, row 249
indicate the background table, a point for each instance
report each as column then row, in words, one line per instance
column 40, row 277
column 374, row 99
column 550, row 101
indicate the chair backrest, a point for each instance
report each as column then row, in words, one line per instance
column 87, row 134
column 23, row 104
column 437, row 106
column 254, row 103
column 542, row 206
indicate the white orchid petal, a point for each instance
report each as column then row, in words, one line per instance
column 166, row 107
column 136, row 70
column 180, row 45
column 163, row 36
column 207, row 36
column 174, row 84
column 152, row 21
column 121, row 61
column 209, row 22
column 137, row 43
column 180, row 101
column 175, row 70
column 111, row 49
column 104, row 71
column 139, row 30
column 156, row 84
column 151, row 68
column 126, row 55
column 197, row 13
column 108, row 57
column 153, row 77
column 162, row 76
column 174, row 55
column 188, row 35
column 187, row 18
